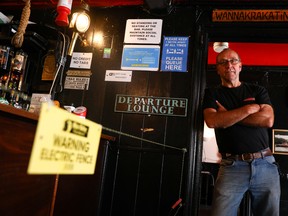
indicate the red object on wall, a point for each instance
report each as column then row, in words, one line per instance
column 256, row 54
column 63, row 10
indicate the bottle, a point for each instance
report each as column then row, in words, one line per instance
column 6, row 55
column 15, row 78
column 24, row 57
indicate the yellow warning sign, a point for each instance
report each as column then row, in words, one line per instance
column 64, row 143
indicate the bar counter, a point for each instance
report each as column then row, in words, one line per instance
column 41, row 195
column 20, row 193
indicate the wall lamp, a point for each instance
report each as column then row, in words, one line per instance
column 219, row 46
column 80, row 23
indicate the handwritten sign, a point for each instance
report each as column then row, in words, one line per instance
column 144, row 31
column 81, row 60
column 64, row 143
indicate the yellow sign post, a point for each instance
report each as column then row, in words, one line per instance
column 64, row 143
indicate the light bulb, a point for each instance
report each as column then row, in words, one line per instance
column 82, row 22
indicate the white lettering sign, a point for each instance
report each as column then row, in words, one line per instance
column 151, row 105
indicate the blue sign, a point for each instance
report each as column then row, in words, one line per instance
column 175, row 54
column 140, row 57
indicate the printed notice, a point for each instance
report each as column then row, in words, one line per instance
column 144, row 31
column 174, row 54
column 118, row 76
column 64, row 143
column 79, row 83
column 81, row 60
column 140, row 57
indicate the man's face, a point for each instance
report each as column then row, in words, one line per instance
column 228, row 66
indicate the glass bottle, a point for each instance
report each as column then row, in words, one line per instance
column 6, row 55
column 15, row 78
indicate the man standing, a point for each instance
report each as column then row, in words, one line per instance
column 240, row 113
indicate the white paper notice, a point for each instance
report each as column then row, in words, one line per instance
column 143, row 31
column 81, row 60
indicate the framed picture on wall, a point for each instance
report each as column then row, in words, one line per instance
column 280, row 141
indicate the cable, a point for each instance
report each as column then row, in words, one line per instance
column 138, row 138
column 177, row 204
column 61, row 63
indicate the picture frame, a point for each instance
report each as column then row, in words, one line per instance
column 280, row 141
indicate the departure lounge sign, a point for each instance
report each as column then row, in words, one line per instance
column 250, row 16
column 151, row 105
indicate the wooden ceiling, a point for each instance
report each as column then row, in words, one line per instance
column 91, row 3
column 53, row 3
column 253, row 54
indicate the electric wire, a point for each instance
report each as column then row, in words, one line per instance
column 61, row 63
column 145, row 140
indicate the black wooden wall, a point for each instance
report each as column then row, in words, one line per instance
column 148, row 178
column 145, row 178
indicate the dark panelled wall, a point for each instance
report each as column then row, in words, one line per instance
column 148, row 178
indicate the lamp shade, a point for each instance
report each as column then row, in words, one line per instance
column 80, row 21
column 219, row 46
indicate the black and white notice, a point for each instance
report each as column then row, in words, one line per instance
column 143, row 31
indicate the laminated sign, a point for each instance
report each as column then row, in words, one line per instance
column 64, row 143
column 175, row 54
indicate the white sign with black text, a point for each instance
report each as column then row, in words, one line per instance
column 81, row 60
column 143, row 31
column 74, row 82
column 118, row 76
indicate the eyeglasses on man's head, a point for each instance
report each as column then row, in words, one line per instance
column 226, row 61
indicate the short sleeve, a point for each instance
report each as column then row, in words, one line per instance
column 263, row 97
column 209, row 100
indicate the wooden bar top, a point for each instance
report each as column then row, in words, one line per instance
column 23, row 113
column 18, row 112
